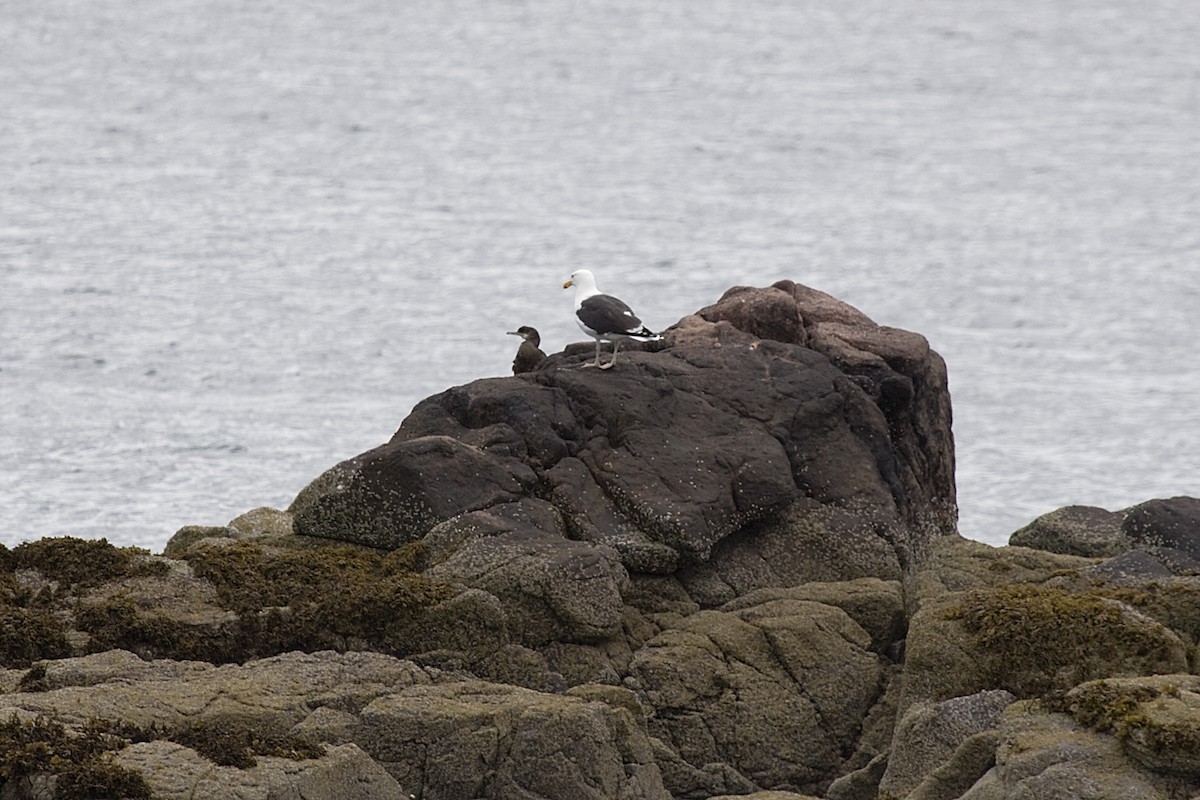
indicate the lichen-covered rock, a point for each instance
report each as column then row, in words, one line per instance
column 395, row 493
column 1156, row 718
column 1049, row 756
column 1075, row 530
column 954, row 564
column 175, row 772
column 808, row 543
column 477, row 739
column 268, row 527
column 262, row 523
column 775, row 692
column 929, row 735
column 969, row 761
column 282, row 690
column 552, row 589
column 876, row 605
column 861, row 783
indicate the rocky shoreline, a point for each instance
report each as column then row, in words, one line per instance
column 728, row 567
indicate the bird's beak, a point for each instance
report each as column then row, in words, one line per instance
column 568, row 284
column 512, row 333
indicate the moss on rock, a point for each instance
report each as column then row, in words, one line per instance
column 227, row 602
column 34, row 680
column 34, row 624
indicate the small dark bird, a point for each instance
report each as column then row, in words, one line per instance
column 604, row 317
column 528, row 354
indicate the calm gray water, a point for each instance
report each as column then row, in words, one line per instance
column 240, row 239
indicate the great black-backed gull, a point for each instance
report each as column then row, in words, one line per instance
column 604, row 317
column 529, row 355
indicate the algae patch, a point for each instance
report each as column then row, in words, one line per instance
column 80, row 763
column 1036, row 639
column 1156, row 719
column 72, row 562
column 229, row 743
column 32, row 626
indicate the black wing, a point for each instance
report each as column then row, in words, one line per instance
column 604, row 313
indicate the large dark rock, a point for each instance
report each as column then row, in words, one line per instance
column 398, row 491
column 767, row 398
column 1173, row 523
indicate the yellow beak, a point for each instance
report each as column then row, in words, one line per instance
column 568, row 284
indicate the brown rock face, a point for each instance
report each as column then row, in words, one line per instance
column 767, row 398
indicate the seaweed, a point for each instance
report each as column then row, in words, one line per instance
column 1036, row 639
column 81, row 563
column 117, row 622
column 1103, row 706
column 100, row 778
column 231, row 743
column 34, row 680
column 81, row 763
column 1176, row 604
column 346, row 590
column 28, row 635
column 338, row 597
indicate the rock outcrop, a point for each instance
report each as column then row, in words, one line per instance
column 727, row 567
column 771, row 404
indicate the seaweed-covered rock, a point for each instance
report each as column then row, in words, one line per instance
column 231, row 600
column 197, row 730
column 1156, row 718
column 1052, row 757
column 41, row 758
column 1028, row 640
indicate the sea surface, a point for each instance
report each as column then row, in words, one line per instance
column 240, row 239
